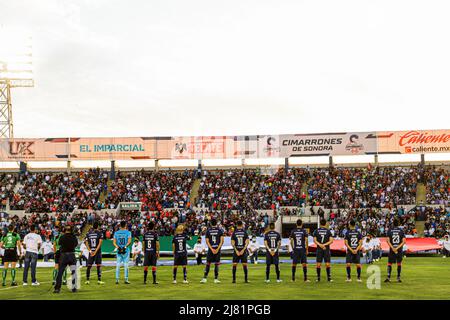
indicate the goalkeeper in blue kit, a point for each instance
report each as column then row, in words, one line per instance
column 122, row 241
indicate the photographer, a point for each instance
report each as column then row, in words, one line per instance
column 67, row 242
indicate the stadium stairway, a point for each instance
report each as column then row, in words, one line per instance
column 84, row 231
column 421, row 198
column 194, row 192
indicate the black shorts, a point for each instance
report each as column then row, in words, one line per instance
column 180, row 260
column 213, row 258
column 242, row 258
column 150, row 259
column 57, row 256
column 352, row 258
column 97, row 259
column 395, row 257
column 299, row 256
column 10, row 255
column 323, row 255
column 272, row 259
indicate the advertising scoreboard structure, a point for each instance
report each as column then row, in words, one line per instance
column 226, row 147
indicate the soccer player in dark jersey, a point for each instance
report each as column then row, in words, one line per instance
column 323, row 240
column 240, row 241
column 299, row 245
column 214, row 240
column 93, row 242
column 272, row 242
column 179, row 253
column 396, row 240
column 151, row 251
column 353, row 243
column 11, row 243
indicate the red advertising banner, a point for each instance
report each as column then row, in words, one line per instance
column 414, row 141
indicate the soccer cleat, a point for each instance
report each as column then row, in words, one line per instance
column 306, row 280
column 387, row 280
column 399, row 280
column 267, row 281
column 444, row 257
column 35, row 284
column 216, row 281
column 185, row 281
column 57, row 291
column 64, row 282
column 330, row 280
column 14, row 284
column 100, row 282
column 25, row 284
column 203, row 280
column 174, row 281
column 317, row 280
column 155, row 282
column 117, row 281
column 145, row 282
column 246, row 281
column 348, row 280
column 127, row 282
column 74, row 290
column 359, row 280
column 87, row 282
column 279, row 280
column 234, row 281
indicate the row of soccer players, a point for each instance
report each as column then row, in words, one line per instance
column 240, row 240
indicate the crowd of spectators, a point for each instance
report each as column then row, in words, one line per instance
column 249, row 189
column 60, row 192
column 7, row 183
column 157, row 190
column 381, row 187
column 438, row 186
column 437, row 222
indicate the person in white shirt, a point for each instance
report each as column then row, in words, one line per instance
column 32, row 243
column 47, row 250
column 367, row 249
column 377, row 251
column 136, row 251
column 199, row 250
column 84, row 253
column 445, row 243
column 253, row 248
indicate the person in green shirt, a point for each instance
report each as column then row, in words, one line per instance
column 57, row 256
column 12, row 245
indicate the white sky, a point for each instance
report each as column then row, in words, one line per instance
column 203, row 67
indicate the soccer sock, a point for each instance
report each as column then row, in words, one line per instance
column 13, row 274
column 207, row 270
column 234, row 273
column 145, row 273
column 216, row 271
column 318, row 269
column 154, row 274
column 55, row 273
column 175, row 273
column 88, row 273
column 126, row 271
column 277, row 270
column 185, row 273
column 305, row 272
column 117, row 271
column 399, row 271
column 4, row 273
column 389, row 270
column 358, row 271
column 328, row 272
column 294, row 268
column 267, row 271
column 349, row 271
column 245, row 272
column 99, row 273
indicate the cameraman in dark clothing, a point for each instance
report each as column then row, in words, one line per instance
column 68, row 242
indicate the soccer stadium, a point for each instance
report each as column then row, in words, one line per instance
column 134, row 171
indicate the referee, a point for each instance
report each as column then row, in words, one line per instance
column 67, row 242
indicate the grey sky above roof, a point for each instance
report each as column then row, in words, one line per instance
column 202, row 67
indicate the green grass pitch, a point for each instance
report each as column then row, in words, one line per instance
column 423, row 278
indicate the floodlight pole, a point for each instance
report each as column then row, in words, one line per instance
column 6, row 122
